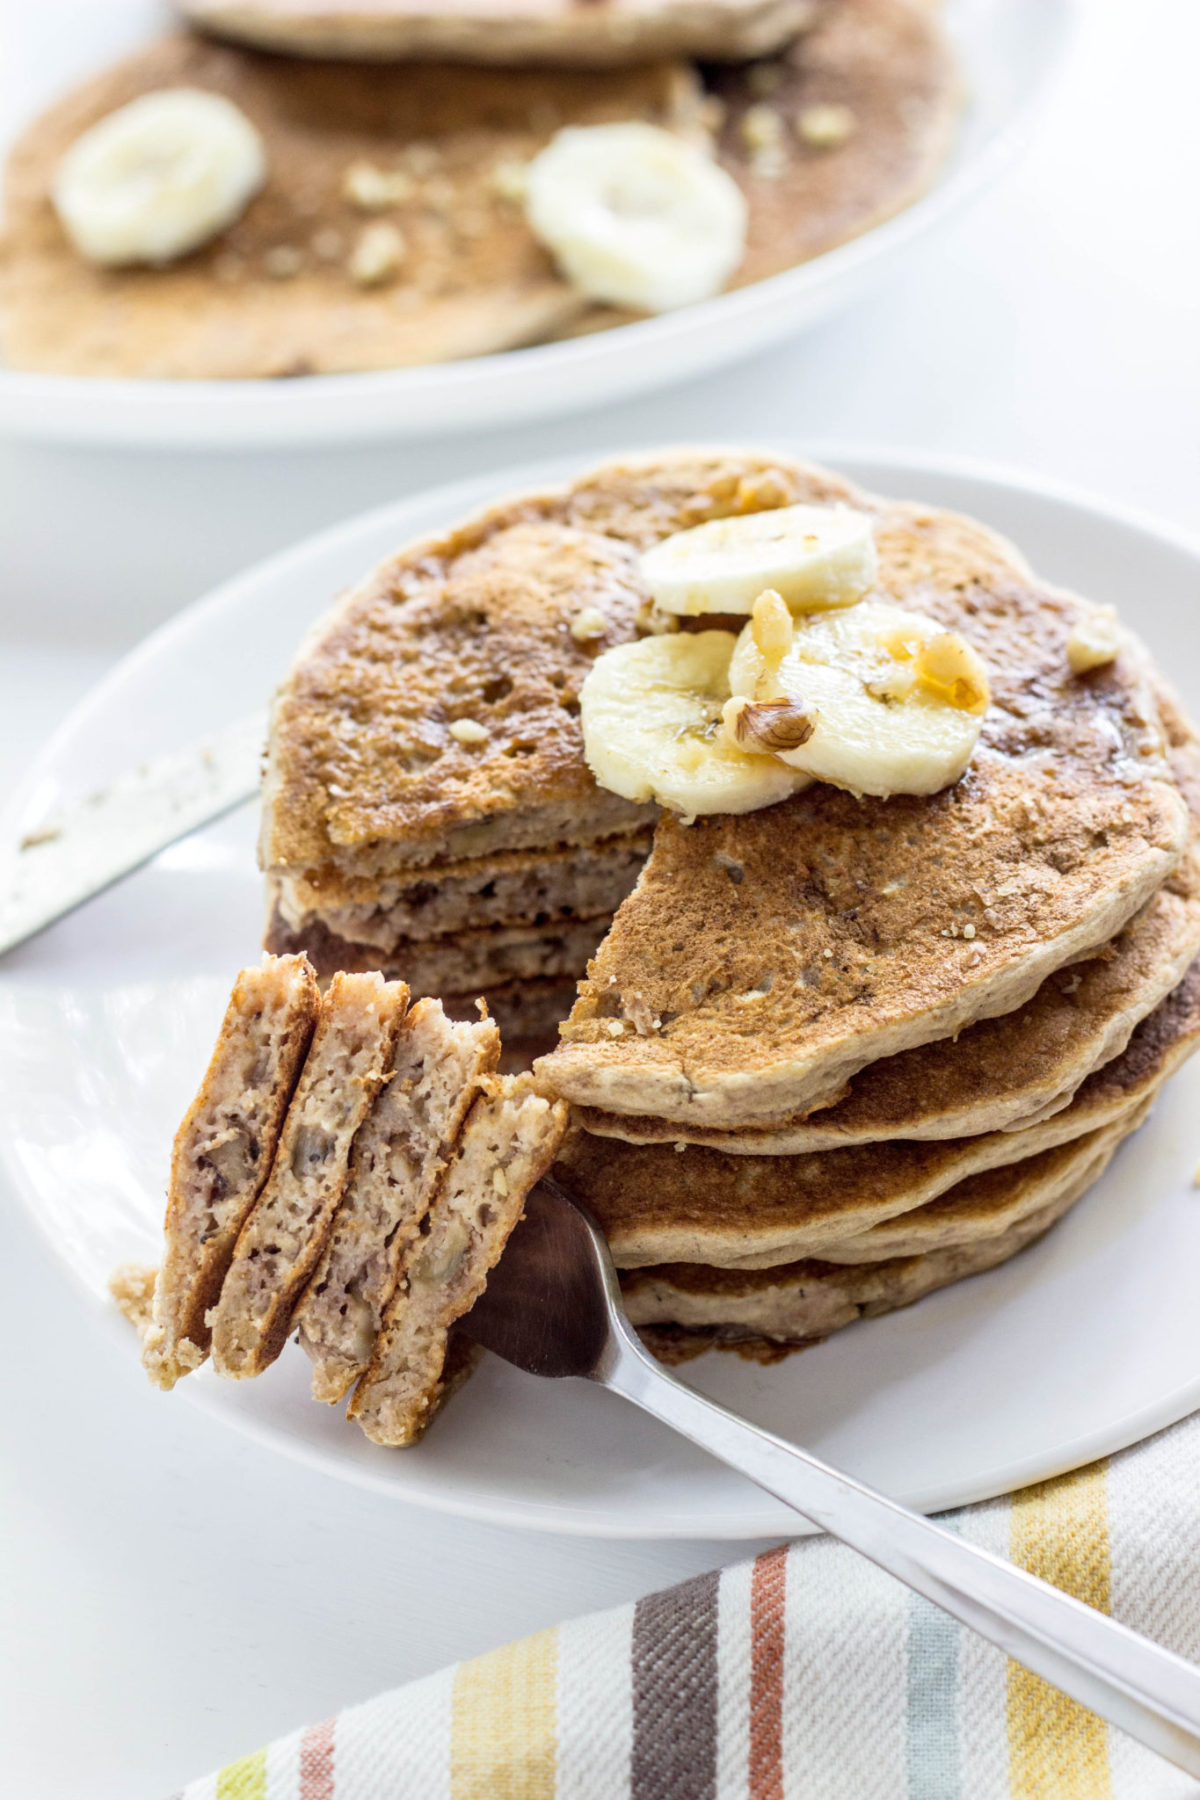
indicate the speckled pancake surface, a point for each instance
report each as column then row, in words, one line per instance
column 273, row 296
column 763, row 960
column 1001, row 1074
column 365, row 776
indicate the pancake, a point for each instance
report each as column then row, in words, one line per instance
column 281, row 1241
column 399, row 1157
column 543, row 887
column 986, row 1206
column 805, row 1301
column 764, row 959
column 656, row 1204
column 505, row 1146
column 517, row 32
column 1000, row 1074
column 474, row 279
column 463, row 961
column 273, row 295
column 365, row 776
column 223, row 1153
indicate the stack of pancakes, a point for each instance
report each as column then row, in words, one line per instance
column 829, row 1055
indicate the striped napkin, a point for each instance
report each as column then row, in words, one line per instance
column 805, row 1675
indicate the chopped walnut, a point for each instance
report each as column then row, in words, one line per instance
column 825, row 127
column 770, row 727
column 588, row 624
column 761, row 128
column 947, row 666
column 1093, row 642
column 771, row 625
column 509, row 179
column 372, row 189
column 468, row 731
column 377, row 255
column 762, row 492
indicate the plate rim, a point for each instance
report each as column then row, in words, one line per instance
column 761, row 1518
column 183, row 415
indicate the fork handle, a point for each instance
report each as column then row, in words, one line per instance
column 1149, row 1692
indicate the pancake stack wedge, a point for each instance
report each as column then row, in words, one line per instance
column 428, row 811
column 381, row 1165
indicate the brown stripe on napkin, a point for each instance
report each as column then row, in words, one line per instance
column 675, row 1693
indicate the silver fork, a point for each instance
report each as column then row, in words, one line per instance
column 552, row 1306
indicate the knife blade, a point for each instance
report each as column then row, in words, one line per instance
column 76, row 853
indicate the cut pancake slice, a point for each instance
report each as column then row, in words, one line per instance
column 398, row 1160
column 506, row 1145
column 1000, row 1074
column 657, row 1204
column 281, row 1241
column 685, row 1307
column 223, row 1153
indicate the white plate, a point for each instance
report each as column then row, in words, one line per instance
column 1085, row 1343
column 1009, row 50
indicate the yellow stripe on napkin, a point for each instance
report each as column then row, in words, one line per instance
column 1059, row 1530
column 245, row 1779
column 502, row 1728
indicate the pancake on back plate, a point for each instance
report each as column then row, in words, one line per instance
column 276, row 293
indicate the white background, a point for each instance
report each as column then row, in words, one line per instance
column 169, row 1595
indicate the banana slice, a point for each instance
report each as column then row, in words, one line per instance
column 158, row 177
column 898, row 702
column 815, row 556
column 651, row 715
column 636, row 216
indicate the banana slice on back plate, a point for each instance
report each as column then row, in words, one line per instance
column 652, row 728
column 814, row 556
column 158, row 177
column 898, row 701
column 636, row 216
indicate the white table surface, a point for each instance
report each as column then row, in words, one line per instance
column 169, row 1595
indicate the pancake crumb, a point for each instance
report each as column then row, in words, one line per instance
column 132, row 1287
